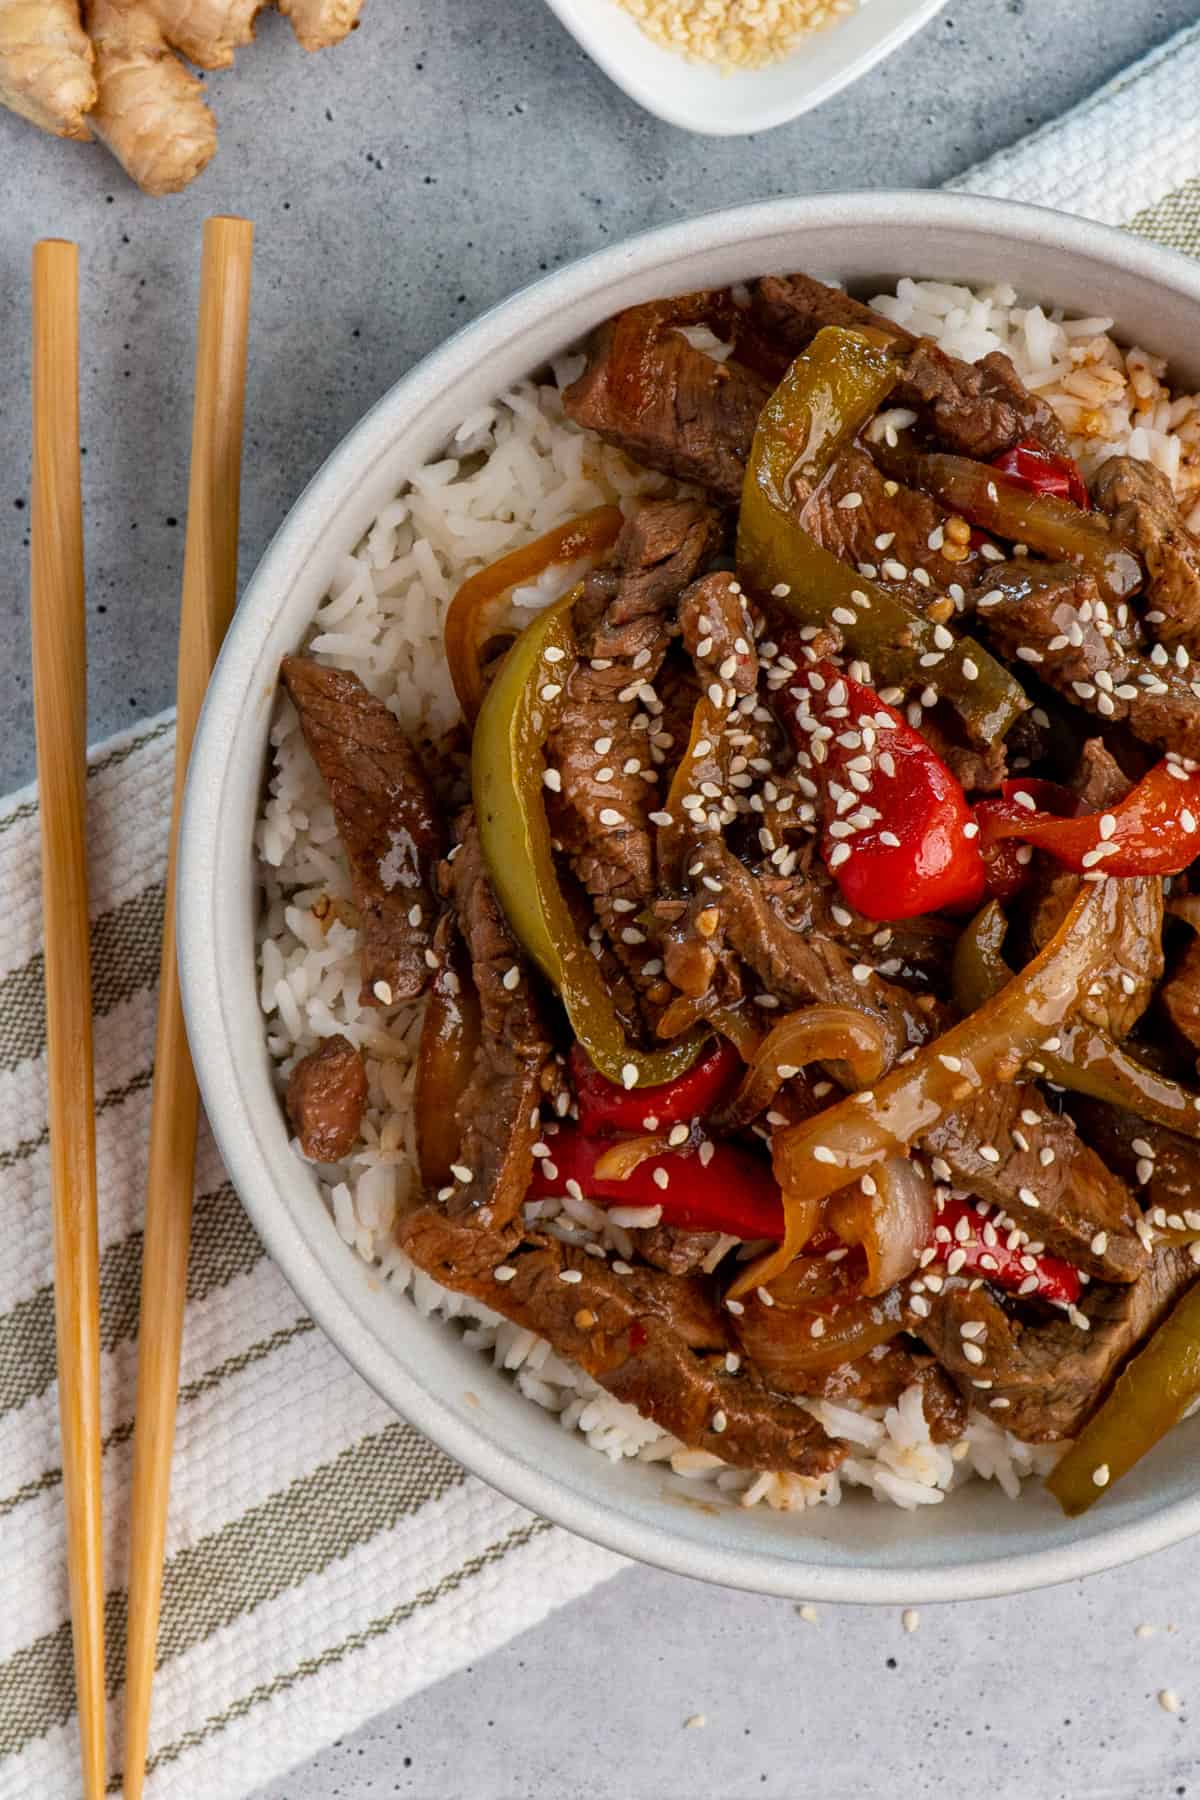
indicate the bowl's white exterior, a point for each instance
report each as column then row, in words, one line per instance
column 699, row 97
column 980, row 1543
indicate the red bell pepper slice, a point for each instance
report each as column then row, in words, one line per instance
column 736, row 1193
column 1044, row 473
column 961, row 1226
column 1006, row 860
column 733, row 1192
column 606, row 1106
column 899, row 838
column 1155, row 830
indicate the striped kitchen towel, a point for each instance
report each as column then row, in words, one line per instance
column 324, row 1560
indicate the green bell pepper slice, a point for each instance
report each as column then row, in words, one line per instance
column 1151, row 1395
column 1088, row 1060
column 507, row 766
column 828, row 393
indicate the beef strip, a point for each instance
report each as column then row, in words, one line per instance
column 977, row 409
column 624, row 620
column 1118, row 997
column 1141, row 503
column 980, row 769
column 1169, row 1177
column 675, row 1250
column 386, row 817
column 1073, row 1203
column 1087, row 651
column 719, row 636
column 635, row 1334
column 1050, row 1377
column 497, row 1112
column 718, row 632
column 669, row 405
column 879, row 1379
column 797, row 967
column 890, row 524
column 1179, row 994
column 326, row 1099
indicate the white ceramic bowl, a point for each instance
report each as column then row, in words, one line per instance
column 699, row 97
column 978, row 1542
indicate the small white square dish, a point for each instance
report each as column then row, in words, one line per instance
column 698, row 96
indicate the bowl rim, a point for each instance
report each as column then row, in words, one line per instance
column 594, row 1516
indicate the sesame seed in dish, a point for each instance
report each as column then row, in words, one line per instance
column 734, row 34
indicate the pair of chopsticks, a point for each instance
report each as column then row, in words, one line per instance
column 60, row 710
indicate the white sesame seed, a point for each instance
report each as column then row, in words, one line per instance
column 885, row 837
column 629, row 1075
column 840, row 852
column 953, row 1063
column 570, row 1276
column 553, row 780
column 989, row 1153
column 609, row 816
column 461, row 1173
column 382, row 993
column 973, row 1353
column 823, row 1154
column 1168, row 1699
column 849, row 501
column 661, row 1178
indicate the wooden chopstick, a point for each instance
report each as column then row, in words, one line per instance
column 209, row 592
column 60, row 714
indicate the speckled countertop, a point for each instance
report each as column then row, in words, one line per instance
column 449, row 152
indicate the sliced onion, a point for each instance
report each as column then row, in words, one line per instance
column 478, row 608
column 852, row 1040
column 838, row 1034
column 619, row 1162
column 818, row 1318
column 890, row 1214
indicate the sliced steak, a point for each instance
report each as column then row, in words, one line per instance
column 1045, row 1380
column 796, row 967
column 1116, row 1000
column 675, row 1250
column 887, row 528
column 624, row 620
column 667, row 404
column 634, row 1334
column 977, row 409
column 879, row 1379
column 1168, row 1177
column 1082, row 648
column 326, row 1099
column 997, row 1148
column 386, row 817
column 1180, row 994
column 498, row 1110
column 1099, row 781
column 1141, row 503
column 718, row 632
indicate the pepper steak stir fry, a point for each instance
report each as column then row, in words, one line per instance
column 822, row 904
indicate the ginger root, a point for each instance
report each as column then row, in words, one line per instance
column 46, row 65
column 124, row 75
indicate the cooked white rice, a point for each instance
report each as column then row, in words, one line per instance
column 515, row 469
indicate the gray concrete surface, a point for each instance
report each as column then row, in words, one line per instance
column 1051, row 1696
column 451, row 151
